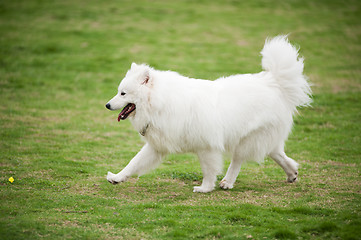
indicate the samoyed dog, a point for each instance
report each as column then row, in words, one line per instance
column 246, row 115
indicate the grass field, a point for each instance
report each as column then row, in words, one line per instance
column 61, row 61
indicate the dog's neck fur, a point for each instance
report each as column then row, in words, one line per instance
column 143, row 131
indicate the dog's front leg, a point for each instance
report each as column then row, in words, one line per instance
column 211, row 164
column 145, row 160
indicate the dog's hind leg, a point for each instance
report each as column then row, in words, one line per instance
column 145, row 160
column 211, row 164
column 233, row 171
column 288, row 164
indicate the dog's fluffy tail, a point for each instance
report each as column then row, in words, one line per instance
column 281, row 59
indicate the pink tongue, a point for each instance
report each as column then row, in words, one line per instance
column 122, row 113
column 126, row 111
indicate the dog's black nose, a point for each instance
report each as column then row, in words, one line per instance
column 107, row 106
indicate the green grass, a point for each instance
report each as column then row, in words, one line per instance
column 61, row 61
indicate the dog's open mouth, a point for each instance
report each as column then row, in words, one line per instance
column 127, row 110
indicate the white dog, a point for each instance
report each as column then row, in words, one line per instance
column 248, row 115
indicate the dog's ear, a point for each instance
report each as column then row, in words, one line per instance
column 133, row 65
column 146, row 77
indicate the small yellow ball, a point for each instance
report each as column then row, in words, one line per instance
column 11, row 179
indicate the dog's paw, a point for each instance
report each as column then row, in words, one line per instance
column 292, row 177
column 201, row 189
column 225, row 185
column 115, row 179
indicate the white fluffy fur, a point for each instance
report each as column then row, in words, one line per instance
column 248, row 115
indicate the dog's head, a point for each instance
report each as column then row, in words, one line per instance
column 133, row 91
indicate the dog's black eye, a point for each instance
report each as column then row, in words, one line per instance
column 122, row 93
